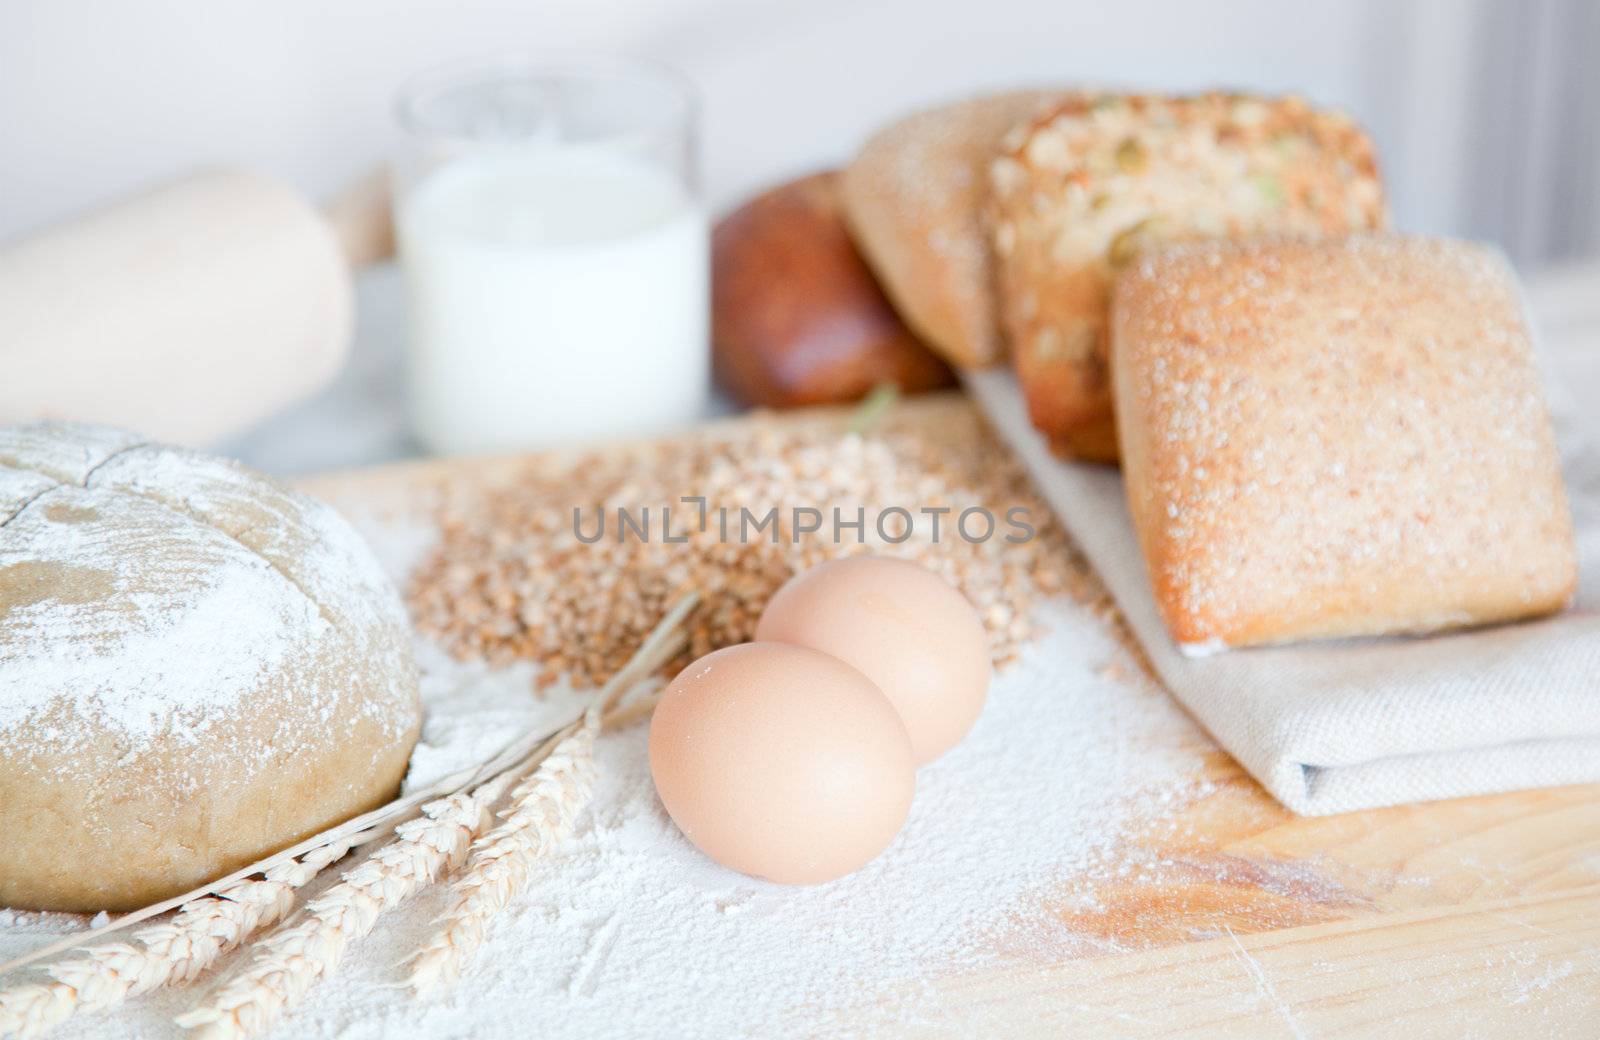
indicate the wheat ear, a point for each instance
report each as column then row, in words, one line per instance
column 368, row 827
column 173, row 952
column 541, row 814
column 289, row 961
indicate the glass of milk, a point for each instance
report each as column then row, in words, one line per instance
column 556, row 252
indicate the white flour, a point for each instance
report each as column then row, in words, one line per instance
column 185, row 583
column 631, row 931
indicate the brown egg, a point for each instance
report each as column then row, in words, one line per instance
column 903, row 627
column 781, row 762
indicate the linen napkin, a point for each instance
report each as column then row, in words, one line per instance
column 1335, row 726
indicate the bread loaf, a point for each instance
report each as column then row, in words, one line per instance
column 1344, row 438
column 1085, row 188
column 796, row 317
column 914, row 198
column 200, row 667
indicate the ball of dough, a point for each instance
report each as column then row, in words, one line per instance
column 900, row 625
column 201, row 667
column 781, row 762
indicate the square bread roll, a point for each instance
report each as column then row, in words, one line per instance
column 1336, row 438
column 1079, row 192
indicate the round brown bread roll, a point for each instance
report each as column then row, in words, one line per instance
column 796, row 316
column 201, row 667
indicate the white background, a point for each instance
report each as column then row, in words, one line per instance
column 1486, row 111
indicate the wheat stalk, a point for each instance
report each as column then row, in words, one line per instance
column 359, row 830
column 541, row 814
column 174, row 952
column 289, row 961
column 369, row 826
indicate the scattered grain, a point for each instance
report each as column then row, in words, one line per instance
column 510, row 579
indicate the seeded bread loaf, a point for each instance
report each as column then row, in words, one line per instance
column 915, row 201
column 199, row 667
column 1080, row 191
column 1336, row 438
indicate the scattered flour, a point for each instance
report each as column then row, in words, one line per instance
column 1523, row 992
column 631, row 931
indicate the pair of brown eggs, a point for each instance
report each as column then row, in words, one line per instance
column 793, row 758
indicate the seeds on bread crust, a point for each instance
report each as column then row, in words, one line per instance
column 1080, row 192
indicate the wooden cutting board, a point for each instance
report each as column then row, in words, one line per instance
column 1476, row 917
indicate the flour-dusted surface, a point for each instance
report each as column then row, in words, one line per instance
column 631, row 931
column 1131, row 880
column 632, row 928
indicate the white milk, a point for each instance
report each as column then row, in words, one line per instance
column 555, row 296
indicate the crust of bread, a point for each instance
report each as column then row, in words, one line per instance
column 1336, row 438
column 1096, row 442
column 1084, row 188
column 796, row 316
column 319, row 727
column 915, row 202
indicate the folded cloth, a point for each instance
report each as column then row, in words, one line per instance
column 1335, row 726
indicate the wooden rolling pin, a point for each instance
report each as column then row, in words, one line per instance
column 188, row 312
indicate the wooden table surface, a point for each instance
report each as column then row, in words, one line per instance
column 1476, row 917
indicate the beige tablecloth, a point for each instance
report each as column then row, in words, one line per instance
column 1336, row 726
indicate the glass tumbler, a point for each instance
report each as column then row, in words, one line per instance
column 555, row 251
